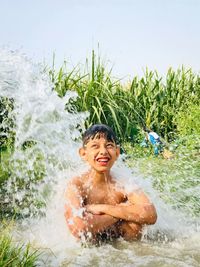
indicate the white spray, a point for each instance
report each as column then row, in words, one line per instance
column 41, row 117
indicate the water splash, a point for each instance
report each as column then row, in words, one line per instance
column 45, row 156
column 45, row 133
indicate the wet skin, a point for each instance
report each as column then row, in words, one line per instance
column 104, row 205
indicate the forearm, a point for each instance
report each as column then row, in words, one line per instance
column 90, row 223
column 99, row 223
column 140, row 214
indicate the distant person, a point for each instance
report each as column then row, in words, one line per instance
column 98, row 207
column 154, row 140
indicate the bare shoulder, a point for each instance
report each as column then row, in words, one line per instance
column 139, row 197
column 119, row 188
column 126, row 188
column 74, row 192
column 78, row 180
column 75, row 181
column 76, row 185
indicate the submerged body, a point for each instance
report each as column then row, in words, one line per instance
column 98, row 207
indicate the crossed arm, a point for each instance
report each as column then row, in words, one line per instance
column 96, row 218
column 138, row 209
column 79, row 219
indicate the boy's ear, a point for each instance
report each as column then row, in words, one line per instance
column 82, row 153
column 118, row 151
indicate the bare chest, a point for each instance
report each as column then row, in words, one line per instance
column 103, row 195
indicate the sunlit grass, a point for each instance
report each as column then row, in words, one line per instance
column 13, row 254
column 177, row 179
column 151, row 101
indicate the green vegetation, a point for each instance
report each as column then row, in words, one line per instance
column 24, row 180
column 15, row 255
column 150, row 101
column 188, row 122
column 4, row 166
column 170, row 106
column 176, row 179
column 160, row 103
column 6, row 124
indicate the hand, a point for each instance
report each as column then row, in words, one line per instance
column 96, row 209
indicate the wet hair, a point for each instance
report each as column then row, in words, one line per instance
column 98, row 131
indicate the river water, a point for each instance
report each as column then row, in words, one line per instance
column 43, row 120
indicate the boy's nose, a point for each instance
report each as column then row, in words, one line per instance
column 103, row 150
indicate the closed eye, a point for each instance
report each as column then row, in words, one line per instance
column 110, row 145
column 94, row 146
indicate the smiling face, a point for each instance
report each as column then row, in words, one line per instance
column 100, row 153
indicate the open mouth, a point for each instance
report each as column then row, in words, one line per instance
column 103, row 161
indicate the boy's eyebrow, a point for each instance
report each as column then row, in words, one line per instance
column 93, row 141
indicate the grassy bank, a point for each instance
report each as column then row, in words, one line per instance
column 176, row 179
column 13, row 254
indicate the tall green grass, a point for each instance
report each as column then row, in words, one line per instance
column 97, row 93
column 152, row 101
column 169, row 105
column 15, row 255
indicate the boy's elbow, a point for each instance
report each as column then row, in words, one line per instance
column 151, row 215
column 152, row 218
column 77, row 227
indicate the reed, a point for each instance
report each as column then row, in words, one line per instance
column 12, row 255
column 151, row 101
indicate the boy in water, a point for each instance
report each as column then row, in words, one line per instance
column 97, row 206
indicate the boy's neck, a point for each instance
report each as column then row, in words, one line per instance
column 99, row 177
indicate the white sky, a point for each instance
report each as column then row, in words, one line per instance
column 131, row 34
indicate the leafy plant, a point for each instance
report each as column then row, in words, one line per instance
column 188, row 121
column 12, row 255
column 149, row 101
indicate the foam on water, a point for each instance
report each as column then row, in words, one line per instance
column 41, row 116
